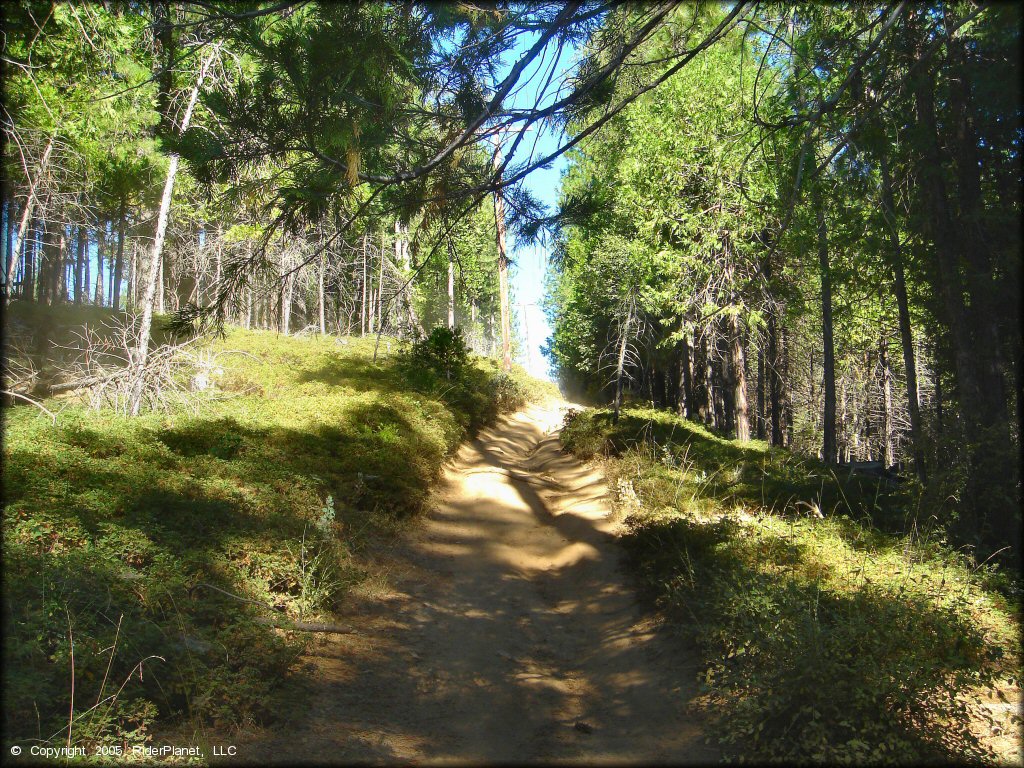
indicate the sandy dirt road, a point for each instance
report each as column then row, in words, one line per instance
column 509, row 632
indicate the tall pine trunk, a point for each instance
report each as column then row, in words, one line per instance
column 27, row 211
column 991, row 497
column 685, row 380
column 320, row 293
column 829, row 358
column 506, row 315
column 155, row 260
column 115, row 294
column 895, row 254
column 451, row 284
column 80, row 253
column 738, row 380
column 620, row 365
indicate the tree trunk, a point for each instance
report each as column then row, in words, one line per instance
column 620, row 367
column 161, row 273
column 145, row 325
column 906, row 336
column 774, row 383
column 49, row 270
column 380, row 286
column 451, row 284
column 506, row 319
column 991, row 496
column 887, row 442
column 60, row 281
column 320, row 294
column 829, row 360
column 28, row 280
column 362, row 311
column 132, row 299
column 79, row 262
column 86, row 268
column 727, row 378
column 27, row 210
column 110, row 280
column 686, row 381
column 717, row 390
column 737, row 365
column 760, row 392
column 286, row 304
column 702, row 381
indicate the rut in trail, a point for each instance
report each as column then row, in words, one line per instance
column 510, row 632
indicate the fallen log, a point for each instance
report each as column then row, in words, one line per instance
column 306, row 626
column 280, row 622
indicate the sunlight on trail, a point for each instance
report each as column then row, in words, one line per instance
column 511, row 633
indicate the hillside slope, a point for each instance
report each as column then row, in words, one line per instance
column 143, row 557
column 825, row 634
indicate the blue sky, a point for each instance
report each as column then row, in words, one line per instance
column 530, row 262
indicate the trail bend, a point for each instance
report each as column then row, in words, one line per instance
column 508, row 631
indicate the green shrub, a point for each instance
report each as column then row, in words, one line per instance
column 823, row 640
column 442, row 351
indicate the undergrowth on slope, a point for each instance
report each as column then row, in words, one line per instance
column 123, row 538
column 827, row 635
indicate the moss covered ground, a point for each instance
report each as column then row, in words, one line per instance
column 835, row 623
column 123, row 538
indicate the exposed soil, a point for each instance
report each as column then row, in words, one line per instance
column 508, row 631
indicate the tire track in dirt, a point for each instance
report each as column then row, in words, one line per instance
column 510, row 632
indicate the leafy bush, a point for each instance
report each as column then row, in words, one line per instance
column 443, row 351
column 507, row 393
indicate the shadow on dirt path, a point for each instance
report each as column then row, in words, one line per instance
column 509, row 634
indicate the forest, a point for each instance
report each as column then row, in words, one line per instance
column 257, row 302
column 828, row 258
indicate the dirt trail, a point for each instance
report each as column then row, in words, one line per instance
column 509, row 634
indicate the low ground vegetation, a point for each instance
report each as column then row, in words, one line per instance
column 835, row 623
column 144, row 557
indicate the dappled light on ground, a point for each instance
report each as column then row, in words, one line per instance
column 510, row 632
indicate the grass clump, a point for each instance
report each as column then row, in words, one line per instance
column 123, row 538
column 825, row 637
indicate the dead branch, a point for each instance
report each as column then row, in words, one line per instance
column 305, row 626
column 280, row 623
column 36, row 403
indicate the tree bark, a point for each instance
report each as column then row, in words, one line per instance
column 887, row 431
column 28, row 280
column 620, row 367
column 686, row 381
column 80, row 253
column 380, row 286
column 776, row 436
column 27, row 210
column 895, row 254
column 760, row 393
column 49, row 271
column 737, row 365
column 362, row 311
column 145, row 325
column 829, row 360
column 506, row 319
column 991, row 496
column 702, row 381
column 320, row 294
column 451, row 285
